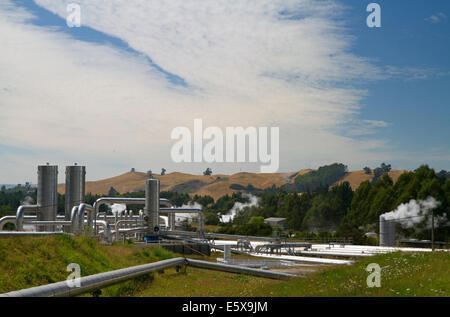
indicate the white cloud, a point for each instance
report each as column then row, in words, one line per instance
column 245, row 65
column 436, row 18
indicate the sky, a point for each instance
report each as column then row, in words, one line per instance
column 108, row 94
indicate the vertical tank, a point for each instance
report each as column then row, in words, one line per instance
column 151, row 210
column 75, row 188
column 47, row 195
column 387, row 232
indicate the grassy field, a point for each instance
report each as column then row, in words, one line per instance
column 28, row 261
column 402, row 274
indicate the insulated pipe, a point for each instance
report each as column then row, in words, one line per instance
column 115, row 200
column 238, row 269
column 216, row 235
column 94, row 282
column 74, row 219
column 5, row 220
column 106, row 230
column 173, row 211
column 12, row 219
column 28, row 233
column 82, row 208
column 118, row 223
column 98, row 281
column 21, row 213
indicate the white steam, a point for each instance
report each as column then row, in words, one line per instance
column 180, row 217
column 116, row 208
column 229, row 216
column 413, row 212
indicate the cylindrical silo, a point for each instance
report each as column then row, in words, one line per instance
column 75, row 188
column 47, row 195
column 387, row 232
column 151, row 209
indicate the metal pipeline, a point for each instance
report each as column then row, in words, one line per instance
column 174, row 211
column 238, row 269
column 74, row 219
column 98, row 281
column 29, row 233
column 118, row 223
column 21, row 213
column 82, row 209
column 216, row 235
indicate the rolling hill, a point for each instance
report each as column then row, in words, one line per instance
column 214, row 185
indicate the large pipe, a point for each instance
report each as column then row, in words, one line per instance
column 21, row 213
column 98, row 281
column 173, row 211
column 28, row 233
column 47, row 194
column 75, row 188
column 94, row 282
column 216, row 235
column 151, row 209
column 82, row 209
column 238, row 269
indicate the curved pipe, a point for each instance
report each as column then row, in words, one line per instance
column 82, row 209
column 74, row 218
column 126, row 201
column 106, row 230
column 21, row 213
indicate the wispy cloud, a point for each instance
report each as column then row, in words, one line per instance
column 436, row 18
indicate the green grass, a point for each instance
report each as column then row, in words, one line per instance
column 33, row 261
column 402, row 275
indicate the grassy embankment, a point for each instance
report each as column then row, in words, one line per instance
column 33, row 261
column 26, row 262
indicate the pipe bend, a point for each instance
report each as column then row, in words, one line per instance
column 73, row 219
column 82, row 208
column 21, row 213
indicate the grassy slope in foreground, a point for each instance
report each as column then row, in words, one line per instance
column 33, row 261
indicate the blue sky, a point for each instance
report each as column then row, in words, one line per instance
column 145, row 68
column 418, row 110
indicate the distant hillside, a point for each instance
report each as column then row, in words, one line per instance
column 214, row 185
column 355, row 178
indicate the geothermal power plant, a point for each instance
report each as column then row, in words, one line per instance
column 154, row 223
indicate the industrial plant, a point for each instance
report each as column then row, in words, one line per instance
column 155, row 224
